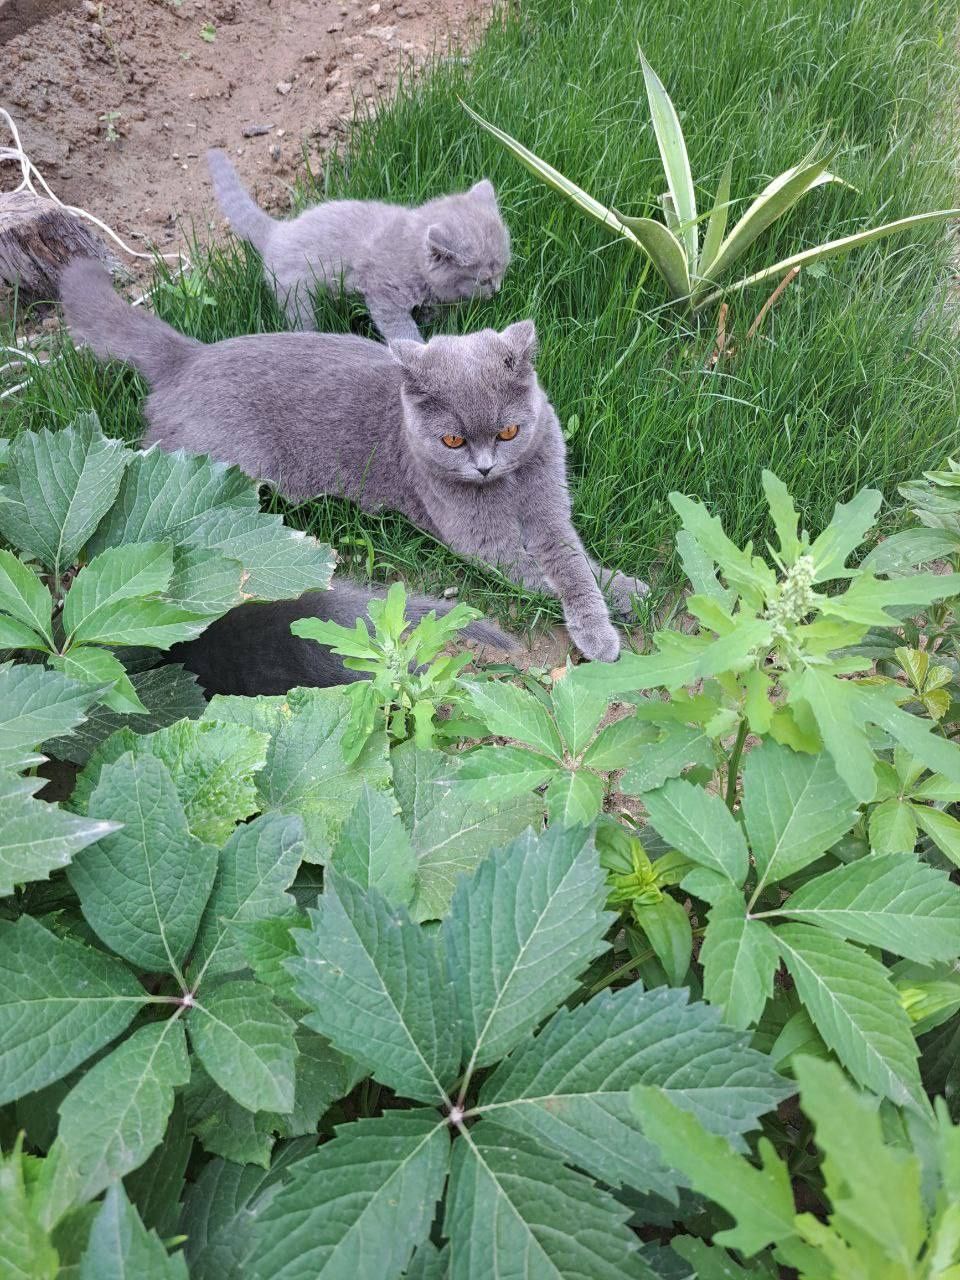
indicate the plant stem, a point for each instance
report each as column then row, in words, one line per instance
column 733, row 764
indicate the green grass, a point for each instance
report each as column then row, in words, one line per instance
column 852, row 380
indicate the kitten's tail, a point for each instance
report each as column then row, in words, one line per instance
column 246, row 217
column 98, row 317
column 481, row 631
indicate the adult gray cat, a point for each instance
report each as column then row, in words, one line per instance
column 456, row 434
column 251, row 650
column 399, row 258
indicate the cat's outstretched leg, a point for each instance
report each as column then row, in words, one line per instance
column 393, row 319
column 620, row 588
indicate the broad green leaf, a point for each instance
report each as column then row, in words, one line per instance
column 507, row 771
column 747, row 573
column 777, row 198
column 26, row 1252
column 203, row 504
column 856, row 1010
column 169, row 694
column 359, row 1205
column 223, row 1126
column 519, row 934
column 450, row 833
column 700, row 826
column 107, row 582
column 759, row 1200
column 429, row 1263
column 322, row 1076
column 680, row 747
column 795, row 807
column 919, row 736
column 143, row 889
column 373, row 982
column 708, row 1262
column 60, row 1001
column 305, row 770
column 849, row 525
column 157, row 1186
column 833, row 704
column 868, row 600
column 890, row 901
column 57, row 487
column 828, row 250
column 739, row 958
column 676, row 164
column 667, row 928
column 245, row 1043
column 221, row 1209
column 16, row 635
column 24, row 597
column 205, row 582
column 36, row 838
column 577, row 712
column 574, row 798
column 785, row 517
column 701, row 570
column 36, row 704
column 569, row 1087
column 121, row 1248
column 942, row 829
column 512, row 712
column 117, row 1114
column 213, row 766
column 374, row 849
column 103, row 670
column 511, row 1203
column 798, row 1037
column 893, row 827
column 620, row 744
column 911, row 547
column 874, row 1187
column 265, row 945
column 255, row 866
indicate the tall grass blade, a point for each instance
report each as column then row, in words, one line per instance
column 676, row 163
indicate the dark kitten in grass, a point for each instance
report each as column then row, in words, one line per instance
column 251, row 650
column 398, row 257
column 456, row 434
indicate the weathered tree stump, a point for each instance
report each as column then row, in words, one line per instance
column 38, row 239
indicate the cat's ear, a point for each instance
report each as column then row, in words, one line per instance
column 484, row 189
column 520, row 341
column 444, row 247
column 409, row 356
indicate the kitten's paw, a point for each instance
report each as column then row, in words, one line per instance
column 596, row 639
column 623, row 591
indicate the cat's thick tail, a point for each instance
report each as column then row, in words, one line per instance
column 481, row 631
column 246, row 217
column 98, row 317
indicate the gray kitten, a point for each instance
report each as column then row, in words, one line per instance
column 456, row 434
column 399, row 258
column 251, row 650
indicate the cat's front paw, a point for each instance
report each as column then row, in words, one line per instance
column 624, row 591
column 596, row 639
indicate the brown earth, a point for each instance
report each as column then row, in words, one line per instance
column 117, row 101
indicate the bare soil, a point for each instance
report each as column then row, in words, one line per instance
column 117, row 101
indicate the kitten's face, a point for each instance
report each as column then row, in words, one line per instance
column 471, row 404
column 466, row 246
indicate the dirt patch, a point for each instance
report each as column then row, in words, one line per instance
column 117, row 101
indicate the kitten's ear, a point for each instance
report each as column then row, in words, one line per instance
column 485, row 190
column 520, row 340
column 444, row 247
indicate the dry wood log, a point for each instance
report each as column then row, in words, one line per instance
column 38, row 239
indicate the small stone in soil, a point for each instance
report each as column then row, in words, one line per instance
column 255, row 130
column 284, row 86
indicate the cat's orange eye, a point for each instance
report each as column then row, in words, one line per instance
column 508, row 433
column 453, row 442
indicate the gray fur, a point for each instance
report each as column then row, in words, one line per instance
column 337, row 414
column 251, row 650
column 399, row 258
